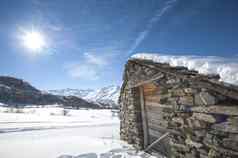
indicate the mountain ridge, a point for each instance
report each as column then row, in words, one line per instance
column 105, row 96
column 17, row 92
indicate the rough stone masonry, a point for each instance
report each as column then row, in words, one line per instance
column 199, row 111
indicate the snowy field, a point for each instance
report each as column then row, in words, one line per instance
column 47, row 133
column 12, row 120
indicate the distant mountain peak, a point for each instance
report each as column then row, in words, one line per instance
column 105, row 96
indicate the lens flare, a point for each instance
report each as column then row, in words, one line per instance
column 34, row 41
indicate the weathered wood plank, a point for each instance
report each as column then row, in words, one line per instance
column 161, row 129
column 153, row 104
column 155, row 133
column 144, row 118
column 157, row 94
column 159, row 126
column 151, row 92
column 156, row 109
column 157, row 121
column 154, row 124
column 150, row 89
column 153, row 98
column 149, row 86
column 159, row 109
column 155, row 77
column 157, row 141
column 155, row 116
column 162, row 146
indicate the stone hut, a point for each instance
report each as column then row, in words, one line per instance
column 199, row 112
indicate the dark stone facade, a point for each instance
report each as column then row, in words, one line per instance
column 131, row 123
column 199, row 111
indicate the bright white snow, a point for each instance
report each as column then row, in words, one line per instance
column 46, row 133
column 52, row 117
column 55, row 142
column 225, row 67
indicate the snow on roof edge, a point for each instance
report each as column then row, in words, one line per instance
column 227, row 68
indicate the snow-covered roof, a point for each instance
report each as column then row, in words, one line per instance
column 225, row 67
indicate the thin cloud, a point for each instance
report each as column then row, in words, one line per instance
column 83, row 71
column 91, row 68
column 56, row 28
column 96, row 60
column 156, row 18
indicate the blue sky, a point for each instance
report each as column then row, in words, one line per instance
column 89, row 41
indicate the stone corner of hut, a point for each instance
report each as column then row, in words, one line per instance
column 199, row 111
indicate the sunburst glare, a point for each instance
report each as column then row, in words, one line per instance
column 34, row 41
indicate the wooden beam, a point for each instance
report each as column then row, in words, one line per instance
column 144, row 117
column 157, row 141
column 156, row 77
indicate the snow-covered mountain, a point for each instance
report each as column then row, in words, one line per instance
column 17, row 92
column 106, row 96
column 71, row 92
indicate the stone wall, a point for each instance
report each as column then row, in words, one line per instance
column 131, row 123
column 201, row 112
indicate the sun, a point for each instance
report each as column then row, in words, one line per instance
column 34, row 41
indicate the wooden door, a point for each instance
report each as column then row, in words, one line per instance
column 154, row 123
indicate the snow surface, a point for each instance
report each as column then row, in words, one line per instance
column 227, row 68
column 46, row 133
column 124, row 152
column 55, row 142
column 52, row 117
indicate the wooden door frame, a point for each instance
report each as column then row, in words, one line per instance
column 144, row 117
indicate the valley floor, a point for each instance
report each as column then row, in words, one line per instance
column 51, row 143
column 56, row 133
column 46, row 133
column 28, row 119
